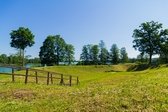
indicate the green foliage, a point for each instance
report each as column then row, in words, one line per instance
column 22, row 38
column 3, row 59
column 55, row 50
column 164, row 50
column 123, row 55
column 34, row 60
column 104, row 55
column 114, row 54
column 47, row 51
column 85, row 55
column 11, row 59
column 143, row 58
column 60, row 45
column 94, row 54
column 90, row 54
column 149, row 38
column 69, row 53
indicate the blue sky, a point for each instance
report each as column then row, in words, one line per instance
column 79, row 22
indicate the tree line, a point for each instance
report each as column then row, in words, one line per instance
column 15, row 59
column 149, row 39
column 98, row 54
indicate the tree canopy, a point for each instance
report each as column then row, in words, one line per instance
column 69, row 53
column 123, row 55
column 55, row 50
column 20, row 39
column 114, row 54
column 149, row 38
column 47, row 51
column 104, row 54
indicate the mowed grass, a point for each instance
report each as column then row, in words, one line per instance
column 102, row 88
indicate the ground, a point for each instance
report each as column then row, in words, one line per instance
column 101, row 88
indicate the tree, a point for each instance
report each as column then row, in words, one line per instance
column 14, row 58
column 142, row 58
column 21, row 39
column 103, row 53
column 164, row 51
column 60, row 45
column 123, row 55
column 149, row 37
column 94, row 54
column 69, row 53
column 85, row 55
column 47, row 51
column 3, row 59
column 55, row 50
column 114, row 54
column 34, row 60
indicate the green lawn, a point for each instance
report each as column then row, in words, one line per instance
column 102, row 88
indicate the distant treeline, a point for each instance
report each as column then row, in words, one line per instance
column 15, row 59
column 150, row 39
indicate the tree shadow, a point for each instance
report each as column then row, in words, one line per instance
column 141, row 67
column 113, row 71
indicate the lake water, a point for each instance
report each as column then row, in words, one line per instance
column 9, row 70
column 29, row 65
column 5, row 70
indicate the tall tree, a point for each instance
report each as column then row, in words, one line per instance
column 94, row 54
column 47, row 51
column 149, row 37
column 114, row 54
column 69, row 53
column 103, row 53
column 20, row 39
column 123, row 55
column 85, row 55
column 54, row 50
column 59, row 48
column 164, row 51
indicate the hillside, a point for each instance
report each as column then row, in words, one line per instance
column 102, row 88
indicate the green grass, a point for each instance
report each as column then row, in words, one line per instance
column 102, row 88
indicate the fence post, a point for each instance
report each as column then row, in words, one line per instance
column 70, row 80
column 51, row 78
column 36, row 77
column 77, row 80
column 48, row 77
column 62, row 79
column 13, row 77
column 26, row 76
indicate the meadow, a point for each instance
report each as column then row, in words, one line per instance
column 105, row 88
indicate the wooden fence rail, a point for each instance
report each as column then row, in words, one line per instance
column 50, row 76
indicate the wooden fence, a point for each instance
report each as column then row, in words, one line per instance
column 48, row 75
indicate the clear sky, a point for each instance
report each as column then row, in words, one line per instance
column 79, row 22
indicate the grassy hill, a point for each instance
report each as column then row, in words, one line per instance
column 102, row 88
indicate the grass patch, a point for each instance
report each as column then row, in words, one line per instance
column 98, row 91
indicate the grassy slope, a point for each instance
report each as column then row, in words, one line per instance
column 100, row 89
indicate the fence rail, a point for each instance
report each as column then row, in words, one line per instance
column 48, row 75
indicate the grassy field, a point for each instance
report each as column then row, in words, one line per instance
column 102, row 88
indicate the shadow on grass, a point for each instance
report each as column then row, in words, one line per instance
column 113, row 71
column 141, row 67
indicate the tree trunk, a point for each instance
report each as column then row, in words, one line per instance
column 69, row 59
column 20, row 57
column 23, row 58
column 150, row 58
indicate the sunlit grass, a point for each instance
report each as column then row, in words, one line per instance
column 102, row 88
